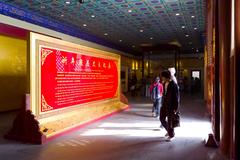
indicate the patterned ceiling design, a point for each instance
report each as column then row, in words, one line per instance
column 128, row 23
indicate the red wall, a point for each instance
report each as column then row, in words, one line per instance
column 13, row 31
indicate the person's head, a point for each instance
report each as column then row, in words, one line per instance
column 172, row 70
column 166, row 76
column 157, row 79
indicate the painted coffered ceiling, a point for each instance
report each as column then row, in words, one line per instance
column 128, row 23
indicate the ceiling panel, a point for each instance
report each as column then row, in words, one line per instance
column 128, row 22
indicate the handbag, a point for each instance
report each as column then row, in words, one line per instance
column 176, row 119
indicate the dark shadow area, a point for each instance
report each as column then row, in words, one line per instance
column 6, row 121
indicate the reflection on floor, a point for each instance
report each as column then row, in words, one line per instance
column 131, row 135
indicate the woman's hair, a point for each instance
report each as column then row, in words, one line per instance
column 157, row 78
column 166, row 74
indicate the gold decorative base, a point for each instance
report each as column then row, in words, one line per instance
column 64, row 121
column 28, row 129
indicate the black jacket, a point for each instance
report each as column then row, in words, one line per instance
column 171, row 97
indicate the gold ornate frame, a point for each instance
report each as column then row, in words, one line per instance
column 37, row 41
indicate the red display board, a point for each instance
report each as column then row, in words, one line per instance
column 69, row 79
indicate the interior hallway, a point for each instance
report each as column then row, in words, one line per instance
column 130, row 135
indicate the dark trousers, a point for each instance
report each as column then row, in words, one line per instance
column 167, row 124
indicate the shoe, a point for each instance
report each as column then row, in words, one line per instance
column 169, row 138
column 154, row 114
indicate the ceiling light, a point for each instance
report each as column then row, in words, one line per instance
column 120, row 40
column 197, row 50
column 187, row 35
column 177, row 14
column 151, row 37
column 133, row 46
column 193, row 16
column 62, row 15
column 183, row 26
column 67, row 2
column 81, row 1
column 84, row 25
column 92, row 16
column 105, row 34
column 141, row 30
column 195, row 28
column 42, row 7
column 129, row 10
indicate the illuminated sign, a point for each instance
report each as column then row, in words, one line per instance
column 69, row 79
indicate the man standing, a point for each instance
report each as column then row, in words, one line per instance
column 170, row 104
column 156, row 90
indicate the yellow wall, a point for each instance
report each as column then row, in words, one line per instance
column 131, row 66
column 13, row 73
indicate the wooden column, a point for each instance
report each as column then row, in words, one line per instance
column 149, row 66
column 216, row 72
column 143, row 65
column 213, row 66
column 236, row 123
column 210, row 61
column 175, row 60
column 233, row 84
column 224, row 25
column 179, row 67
